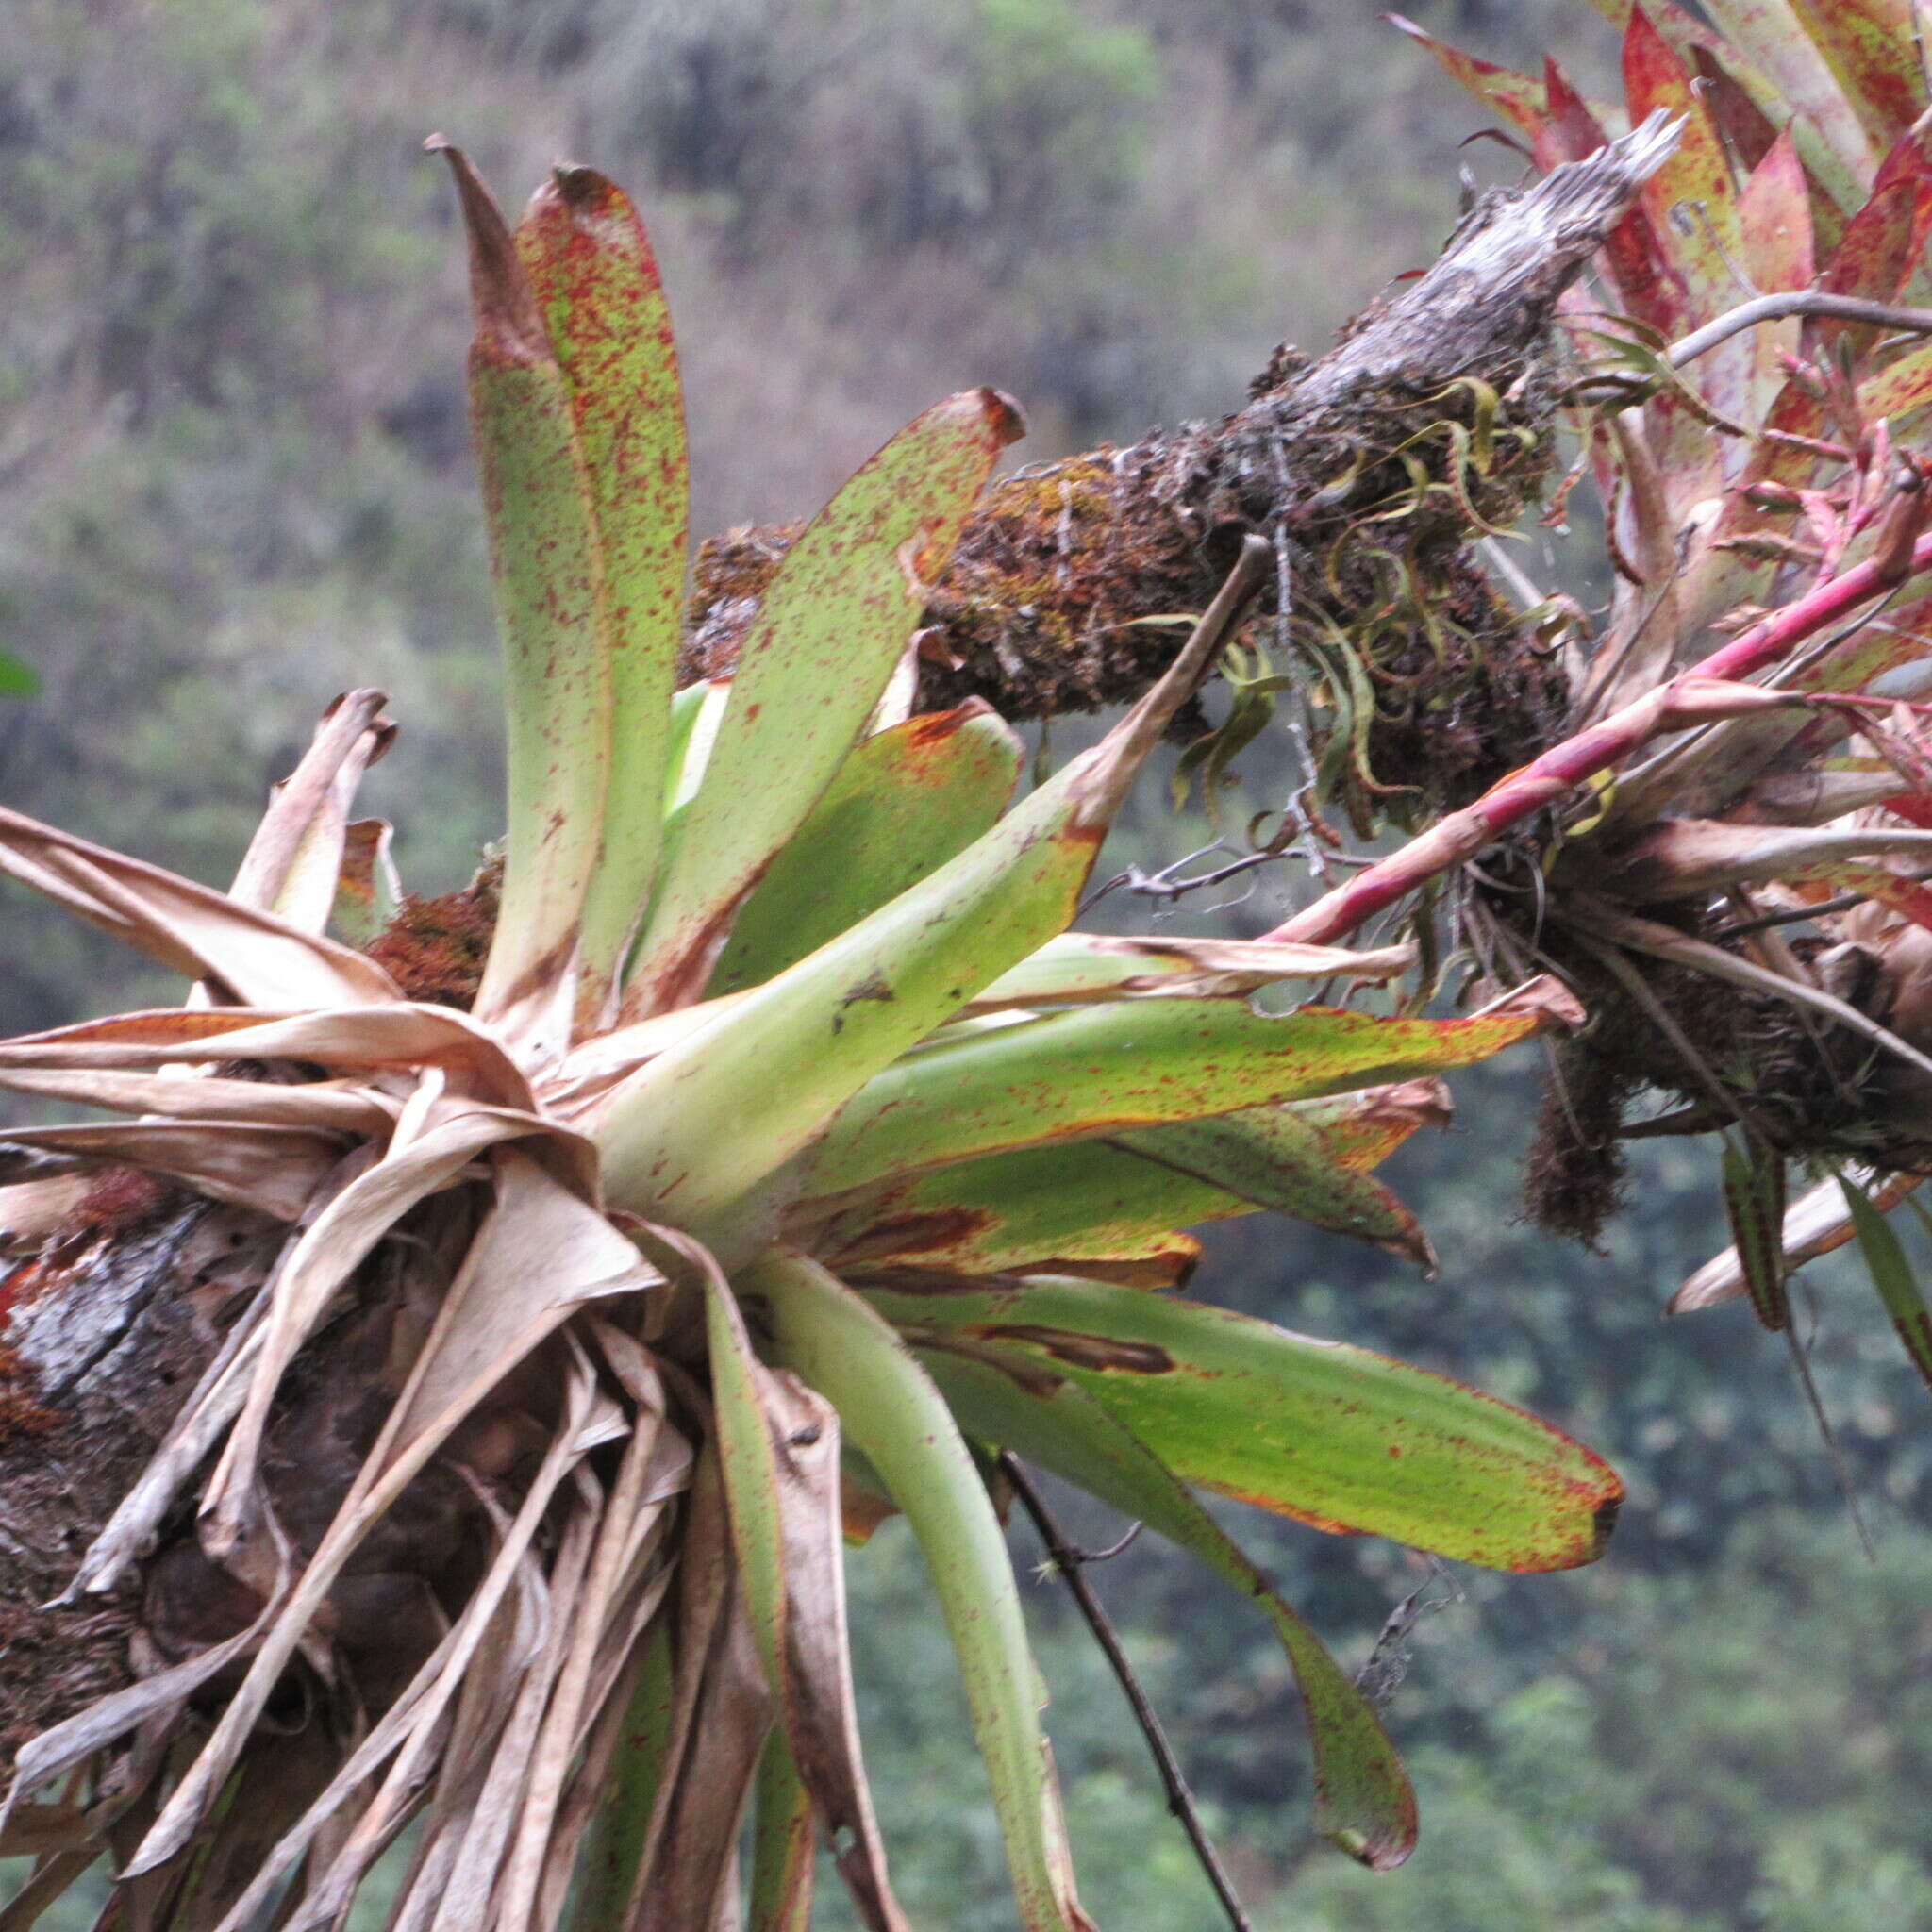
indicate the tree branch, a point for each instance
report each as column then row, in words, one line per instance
column 1180, row 1800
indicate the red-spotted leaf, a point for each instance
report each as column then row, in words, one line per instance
column 596, row 284
column 1363, row 1801
column 1328, row 1434
column 1871, row 49
column 1101, row 1070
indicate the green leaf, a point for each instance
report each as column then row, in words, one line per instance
column 1270, row 1156
column 553, row 614
column 597, row 286
column 1331, row 1435
column 901, row 805
column 1053, row 1208
column 694, row 1136
column 829, row 630
column 1363, row 1801
column 783, row 1843
column 1121, row 1201
column 1101, row 1070
column 1891, row 1275
column 779, row 1446
column 900, row 1420
column 619, row 1838
column 1754, row 1191
column 17, row 681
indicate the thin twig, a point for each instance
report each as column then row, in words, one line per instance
column 1180, row 1800
column 1916, row 322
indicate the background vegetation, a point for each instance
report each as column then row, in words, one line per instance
column 234, row 479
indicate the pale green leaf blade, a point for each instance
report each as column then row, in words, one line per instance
column 1363, row 1800
column 1892, row 1276
column 552, row 615
column 1118, row 1202
column 596, row 284
column 829, row 630
column 695, row 1132
column 779, row 1446
column 1332, row 1435
column 898, row 1419
column 905, row 802
column 1101, row 1070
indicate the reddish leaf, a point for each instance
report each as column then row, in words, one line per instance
column 1748, row 131
column 1774, row 215
column 1871, row 48
column 1777, row 64
column 1515, row 96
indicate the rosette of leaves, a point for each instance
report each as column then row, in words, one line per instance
column 792, row 1158
column 1736, row 884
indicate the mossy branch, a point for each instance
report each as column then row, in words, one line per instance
column 1371, row 471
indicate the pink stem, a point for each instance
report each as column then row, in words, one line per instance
column 1525, row 791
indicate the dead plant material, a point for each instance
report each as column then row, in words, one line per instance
column 434, row 949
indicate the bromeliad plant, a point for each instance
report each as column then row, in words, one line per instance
column 1728, row 858
column 792, row 1157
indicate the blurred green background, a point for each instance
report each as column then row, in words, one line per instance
column 234, row 480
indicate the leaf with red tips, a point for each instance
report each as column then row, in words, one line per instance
column 554, row 617
column 1515, row 96
column 1288, row 1423
column 829, row 630
column 596, row 283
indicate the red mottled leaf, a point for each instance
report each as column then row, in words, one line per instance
column 596, row 281
column 1694, row 179
column 1639, row 284
column 1694, row 212
column 1747, row 130
column 1774, row 46
column 1873, row 256
column 1870, row 48
column 1899, row 388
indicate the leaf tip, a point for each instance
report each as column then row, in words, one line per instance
column 508, row 325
